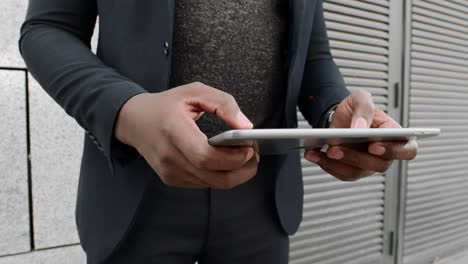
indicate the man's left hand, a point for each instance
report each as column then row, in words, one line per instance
column 350, row 163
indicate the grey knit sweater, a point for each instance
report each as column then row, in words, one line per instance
column 236, row 46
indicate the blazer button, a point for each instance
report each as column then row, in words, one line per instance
column 166, row 48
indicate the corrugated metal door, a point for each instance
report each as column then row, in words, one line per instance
column 344, row 221
column 436, row 214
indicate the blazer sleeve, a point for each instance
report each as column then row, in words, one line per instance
column 55, row 44
column 322, row 84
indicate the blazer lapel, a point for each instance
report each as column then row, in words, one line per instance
column 296, row 11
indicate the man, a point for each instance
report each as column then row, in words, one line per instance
column 151, row 188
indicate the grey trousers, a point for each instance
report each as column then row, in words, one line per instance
column 182, row 226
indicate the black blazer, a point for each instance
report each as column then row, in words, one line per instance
column 133, row 57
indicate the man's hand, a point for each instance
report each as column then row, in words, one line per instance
column 162, row 128
column 350, row 163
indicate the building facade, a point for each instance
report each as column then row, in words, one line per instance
column 411, row 55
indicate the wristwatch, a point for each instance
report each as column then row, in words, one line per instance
column 328, row 117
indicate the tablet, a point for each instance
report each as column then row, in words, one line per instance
column 281, row 141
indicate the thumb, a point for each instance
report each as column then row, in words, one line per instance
column 219, row 103
column 363, row 109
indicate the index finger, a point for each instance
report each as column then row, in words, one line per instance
column 219, row 103
column 193, row 144
column 401, row 150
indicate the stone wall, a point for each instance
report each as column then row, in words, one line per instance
column 39, row 162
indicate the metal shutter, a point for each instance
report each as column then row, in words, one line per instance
column 343, row 221
column 436, row 214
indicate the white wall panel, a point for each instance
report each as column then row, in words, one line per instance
column 56, row 149
column 61, row 255
column 12, row 15
column 436, row 209
column 14, row 201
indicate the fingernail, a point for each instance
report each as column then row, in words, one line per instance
column 249, row 155
column 336, row 154
column 377, row 150
column 360, row 123
column 314, row 157
column 245, row 121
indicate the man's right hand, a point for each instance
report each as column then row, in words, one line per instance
column 161, row 126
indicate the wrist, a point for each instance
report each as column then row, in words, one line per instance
column 125, row 124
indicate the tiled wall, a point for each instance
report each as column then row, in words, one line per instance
column 37, row 198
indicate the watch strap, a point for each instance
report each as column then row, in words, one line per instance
column 328, row 117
